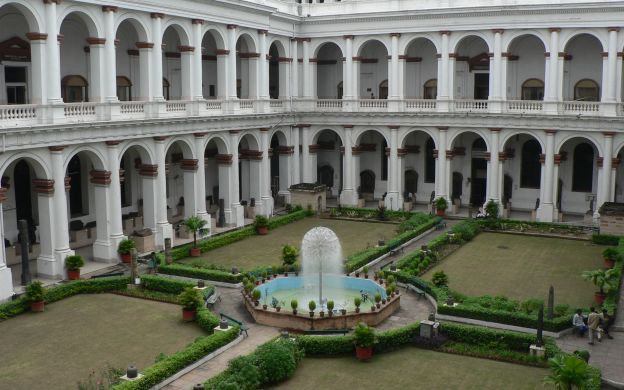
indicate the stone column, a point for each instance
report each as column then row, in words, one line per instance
column 61, row 223
column 546, row 210
column 116, row 227
column 265, row 176
column 355, row 81
column 103, row 248
column 306, row 160
column 6, row 279
column 604, row 173
column 110, row 61
column 394, row 199
column 146, row 88
column 494, row 166
column 197, row 76
column 254, row 84
column 163, row 227
column 53, row 61
column 200, row 200
column 552, row 91
column 263, row 65
column 149, row 174
column 98, row 79
column 445, row 82
column 349, row 196
column 393, row 76
column 307, row 76
column 39, row 75
column 608, row 100
column 186, row 61
column 347, row 69
column 294, row 80
column 231, row 61
column 224, row 163
column 296, row 159
column 284, row 78
column 190, row 168
column 441, row 173
column 223, row 73
column 496, row 73
column 237, row 216
column 157, row 74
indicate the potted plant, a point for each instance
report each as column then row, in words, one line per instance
column 388, row 295
column 256, row 294
column 190, row 300
column 321, row 313
column 34, row 295
column 248, row 288
column 364, row 339
column 196, row 225
column 357, row 301
column 376, row 275
column 609, row 255
column 293, row 305
column 390, row 280
column 365, row 271
column 604, row 280
column 378, row 300
column 289, row 257
column 262, row 225
column 265, row 275
column 124, row 249
column 381, row 275
column 441, row 205
column 73, row 264
column 330, row 308
column 312, row 307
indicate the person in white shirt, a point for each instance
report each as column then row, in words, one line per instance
column 578, row 323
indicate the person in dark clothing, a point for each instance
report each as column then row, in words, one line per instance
column 606, row 323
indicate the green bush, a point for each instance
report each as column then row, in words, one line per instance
column 364, row 336
column 261, row 221
column 199, row 273
column 125, row 247
column 440, row 279
column 605, row 239
column 190, row 299
column 74, row 262
column 34, row 292
column 164, row 284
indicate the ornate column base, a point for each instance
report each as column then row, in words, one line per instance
column 546, row 212
column 163, row 230
column 348, row 198
column 105, row 252
column 394, row 201
column 267, row 206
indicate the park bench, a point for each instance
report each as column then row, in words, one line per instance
column 235, row 322
column 396, row 251
column 213, row 298
column 441, row 225
column 419, row 292
column 107, row 275
column 326, row 332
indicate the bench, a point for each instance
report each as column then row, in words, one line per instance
column 326, row 332
column 396, row 250
column 213, row 298
column 441, row 225
column 419, row 292
column 107, row 275
column 235, row 322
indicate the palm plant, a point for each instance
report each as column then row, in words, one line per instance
column 196, row 225
column 605, row 280
column 567, row 372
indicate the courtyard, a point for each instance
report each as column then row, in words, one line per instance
column 84, row 334
column 410, row 368
column 523, row 267
column 266, row 250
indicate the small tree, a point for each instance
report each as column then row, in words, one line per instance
column 256, row 294
column 567, row 372
column 491, row 209
column 441, row 204
column 125, row 247
column 294, row 304
column 605, row 280
column 330, row 306
column 440, row 279
column 74, row 262
column 190, row 298
column 196, row 225
column 312, row 305
column 261, row 221
column 34, row 292
column 364, row 336
column 289, row 255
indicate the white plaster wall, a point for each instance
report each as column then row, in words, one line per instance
column 417, row 73
column 464, row 78
column 329, row 75
column 586, row 63
column 372, row 74
column 529, row 65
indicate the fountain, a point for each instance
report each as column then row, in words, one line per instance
column 322, row 280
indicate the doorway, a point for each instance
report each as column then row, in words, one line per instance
column 481, row 86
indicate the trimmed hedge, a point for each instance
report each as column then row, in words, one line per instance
column 174, row 363
column 168, row 285
column 605, row 239
column 199, row 273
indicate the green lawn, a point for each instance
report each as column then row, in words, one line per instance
column 522, row 267
column 266, row 250
column 413, row 368
column 73, row 337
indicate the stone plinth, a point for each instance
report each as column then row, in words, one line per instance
column 309, row 194
column 612, row 218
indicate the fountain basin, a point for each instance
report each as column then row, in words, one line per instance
column 341, row 289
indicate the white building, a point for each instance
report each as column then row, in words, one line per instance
column 158, row 109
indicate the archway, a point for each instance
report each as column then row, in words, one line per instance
column 212, row 56
column 522, row 172
column 246, row 68
column 472, row 69
column 578, row 177
column 582, row 74
column 176, row 66
column 329, row 161
column 373, row 165
column 277, row 86
column 421, row 70
column 181, row 172
column 280, row 157
column 329, row 72
column 373, row 69
column 249, row 174
column 80, row 74
column 526, row 68
column 132, row 50
column 470, row 160
column 419, row 162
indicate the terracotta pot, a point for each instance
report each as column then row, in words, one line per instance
column 599, row 297
column 365, row 276
column 188, row 315
column 363, row 354
column 357, row 274
column 257, row 282
column 343, row 311
column 195, row 252
column 357, row 309
column 295, row 312
column 322, row 314
column 609, row 263
column 311, row 314
column 256, row 303
column 286, row 274
column 264, row 307
column 383, row 301
column 378, row 305
column 277, row 309
column 126, row 258
column 263, row 230
column 440, row 212
column 330, row 313
column 37, row 307
column 73, row 274
column 263, row 280
column 373, row 308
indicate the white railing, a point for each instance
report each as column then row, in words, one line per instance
column 132, row 107
column 175, row 107
column 18, row 112
column 578, row 107
column 246, row 104
column 83, row 109
column 329, row 104
column 525, row 105
column 420, row 104
column 276, row 104
column 374, row 103
column 471, row 105
column 213, row 105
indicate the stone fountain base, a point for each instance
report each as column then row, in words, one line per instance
column 303, row 321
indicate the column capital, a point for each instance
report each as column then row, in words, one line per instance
column 554, row 29
column 263, row 32
column 199, row 135
column 393, row 127
column 52, row 1
column 616, row 29
column 186, row 49
column 347, row 126
column 550, row 132
column 102, row 178
column 148, row 170
column 615, row 162
column 608, row 133
column 96, row 41
column 234, row 131
column 498, row 30
column 109, row 8
column 348, row 36
column 445, row 32
column 144, row 45
column 43, row 186
column 599, row 162
column 313, row 148
column 112, row 143
column 284, row 150
column 392, row 35
column 222, row 52
column 301, row 125
column 224, row 159
column 36, row 36
column 56, row 148
column 442, row 128
column 264, row 129
column 3, row 196
column 231, row 26
column 67, row 183
column 188, row 164
column 495, row 129
column 160, row 138
column 157, row 15
column 197, row 21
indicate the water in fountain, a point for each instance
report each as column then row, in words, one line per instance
column 321, row 259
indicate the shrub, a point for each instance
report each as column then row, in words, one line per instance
column 125, row 247
column 491, row 209
column 364, row 336
column 294, row 304
column 439, row 279
column 330, row 306
column 277, row 360
column 289, row 255
column 74, row 262
column 568, row 371
column 610, row 253
column 531, row 305
column 357, row 301
column 312, row 305
column 605, row 239
column 261, row 221
column 196, row 225
column 34, row 292
column 168, row 285
column 190, row 299
column 441, row 204
column 199, row 273
column 256, row 294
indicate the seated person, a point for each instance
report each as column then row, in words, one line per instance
column 578, row 323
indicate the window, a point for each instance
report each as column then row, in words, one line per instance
column 124, row 89
column 74, row 89
column 383, row 89
column 429, row 161
column 583, row 168
column 431, row 89
column 165, row 88
column 586, row 90
column 530, row 168
column 533, row 89
column 16, row 85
